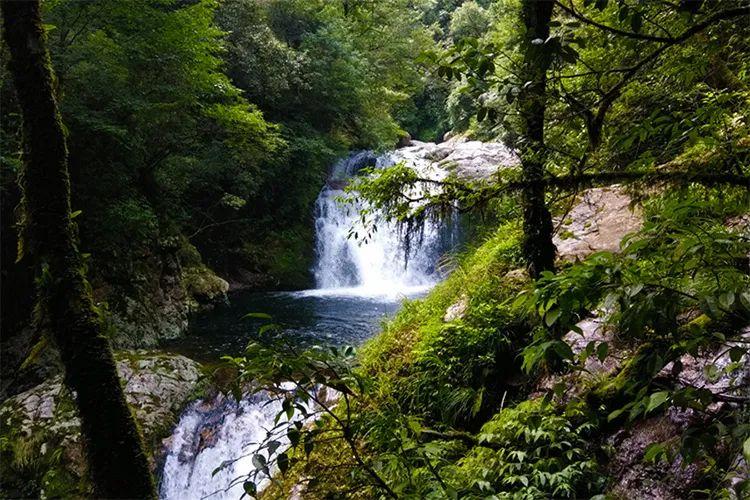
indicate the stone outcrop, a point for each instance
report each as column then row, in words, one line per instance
column 469, row 160
column 598, row 221
column 41, row 445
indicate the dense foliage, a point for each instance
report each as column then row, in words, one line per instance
column 201, row 131
column 211, row 126
column 504, row 401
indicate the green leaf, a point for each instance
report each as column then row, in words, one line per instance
column 236, row 393
column 563, row 350
column 712, row 372
column 273, row 446
column 736, row 353
column 268, row 327
column 602, row 350
column 283, row 462
column 552, row 316
column 293, row 435
column 654, row 451
column 259, row 461
column 485, row 67
column 477, row 404
column 75, row 214
column 636, row 22
column 726, row 299
column 257, row 315
column 623, row 14
column 250, row 488
column 616, row 414
column 746, row 450
column 656, row 400
column 219, row 468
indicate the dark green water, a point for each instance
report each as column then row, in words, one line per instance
column 340, row 317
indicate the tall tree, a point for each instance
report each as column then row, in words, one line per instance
column 538, row 247
column 118, row 464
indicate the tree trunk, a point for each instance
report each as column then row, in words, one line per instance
column 119, row 468
column 538, row 248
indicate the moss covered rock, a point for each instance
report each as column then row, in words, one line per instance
column 40, row 437
column 204, row 286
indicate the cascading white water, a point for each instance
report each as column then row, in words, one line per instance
column 214, row 431
column 381, row 264
column 209, row 434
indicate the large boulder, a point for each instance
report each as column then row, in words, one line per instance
column 40, row 436
column 597, row 222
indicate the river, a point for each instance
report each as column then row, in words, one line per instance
column 358, row 286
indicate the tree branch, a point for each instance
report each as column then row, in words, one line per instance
column 596, row 124
column 630, row 34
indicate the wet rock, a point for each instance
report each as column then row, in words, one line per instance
column 298, row 490
column 26, row 362
column 714, row 370
column 469, row 160
column 344, row 169
column 244, row 279
column 740, row 223
column 157, row 386
column 43, row 448
column 597, row 222
column 595, row 330
column 520, row 275
column 148, row 302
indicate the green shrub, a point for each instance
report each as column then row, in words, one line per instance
column 538, row 451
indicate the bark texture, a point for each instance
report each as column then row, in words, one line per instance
column 119, row 467
column 538, row 248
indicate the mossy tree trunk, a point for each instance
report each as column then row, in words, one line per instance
column 119, row 467
column 538, row 248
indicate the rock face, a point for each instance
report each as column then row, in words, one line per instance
column 41, row 445
column 349, row 166
column 468, row 160
column 597, row 222
column 152, row 301
column 633, row 478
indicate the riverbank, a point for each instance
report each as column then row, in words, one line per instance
column 466, row 397
column 41, row 446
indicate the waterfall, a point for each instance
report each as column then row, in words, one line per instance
column 211, row 450
column 381, row 265
column 347, row 272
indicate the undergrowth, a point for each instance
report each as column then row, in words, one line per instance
column 477, row 390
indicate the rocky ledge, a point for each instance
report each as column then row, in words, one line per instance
column 40, row 439
column 469, row 160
